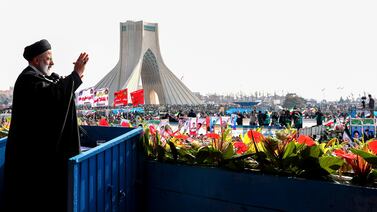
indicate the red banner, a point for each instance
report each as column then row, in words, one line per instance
column 121, row 97
column 137, row 97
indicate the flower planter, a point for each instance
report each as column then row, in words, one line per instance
column 113, row 177
column 171, row 187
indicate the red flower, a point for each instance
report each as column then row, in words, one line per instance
column 255, row 136
column 360, row 167
column 343, row 154
column 125, row 124
column 180, row 136
column 152, row 129
column 373, row 146
column 213, row 135
column 304, row 139
column 103, row 122
column 240, row 146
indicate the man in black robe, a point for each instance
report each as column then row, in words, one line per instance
column 43, row 133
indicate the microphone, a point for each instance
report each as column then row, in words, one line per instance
column 54, row 77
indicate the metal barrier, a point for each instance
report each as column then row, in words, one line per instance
column 311, row 131
column 102, row 178
column 175, row 187
column 3, row 142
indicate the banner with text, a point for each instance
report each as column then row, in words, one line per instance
column 85, row 97
column 120, row 98
column 101, row 97
column 137, row 97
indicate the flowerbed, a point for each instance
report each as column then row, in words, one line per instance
column 286, row 154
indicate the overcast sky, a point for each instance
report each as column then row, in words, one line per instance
column 317, row 49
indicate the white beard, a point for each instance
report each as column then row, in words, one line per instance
column 44, row 69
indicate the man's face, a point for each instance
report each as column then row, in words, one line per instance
column 45, row 62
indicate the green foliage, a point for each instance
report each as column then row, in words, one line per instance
column 370, row 158
column 330, row 163
column 292, row 100
column 3, row 132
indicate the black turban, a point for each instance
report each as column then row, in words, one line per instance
column 36, row 49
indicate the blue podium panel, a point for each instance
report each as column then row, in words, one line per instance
column 102, row 178
column 3, row 142
column 173, row 187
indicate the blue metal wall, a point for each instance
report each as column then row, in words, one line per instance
column 3, row 142
column 104, row 178
column 174, row 187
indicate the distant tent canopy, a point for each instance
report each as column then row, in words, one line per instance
column 234, row 110
column 246, row 104
column 128, row 110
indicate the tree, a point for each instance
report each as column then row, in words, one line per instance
column 292, row 100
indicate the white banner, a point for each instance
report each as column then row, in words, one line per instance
column 85, row 97
column 101, row 97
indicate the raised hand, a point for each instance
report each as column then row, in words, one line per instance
column 80, row 64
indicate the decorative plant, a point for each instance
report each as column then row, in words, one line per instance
column 284, row 154
column 362, row 160
column 287, row 154
column 4, row 129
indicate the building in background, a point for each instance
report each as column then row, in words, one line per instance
column 141, row 66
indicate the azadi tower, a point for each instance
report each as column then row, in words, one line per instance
column 141, row 67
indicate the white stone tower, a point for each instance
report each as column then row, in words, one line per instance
column 141, row 67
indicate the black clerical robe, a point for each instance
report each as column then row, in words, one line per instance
column 43, row 135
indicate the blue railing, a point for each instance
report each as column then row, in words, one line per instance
column 103, row 178
column 3, row 142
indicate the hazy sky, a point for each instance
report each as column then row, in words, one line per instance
column 318, row 49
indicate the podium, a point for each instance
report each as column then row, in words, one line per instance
column 103, row 177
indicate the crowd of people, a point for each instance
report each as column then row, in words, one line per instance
column 175, row 113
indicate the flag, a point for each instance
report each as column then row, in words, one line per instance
column 121, row 97
column 208, row 123
column 346, row 137
column 233, row 121
column 137, row 97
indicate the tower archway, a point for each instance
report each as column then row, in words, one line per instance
column 153, row 96
column 151, row 79
column 140, row 66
